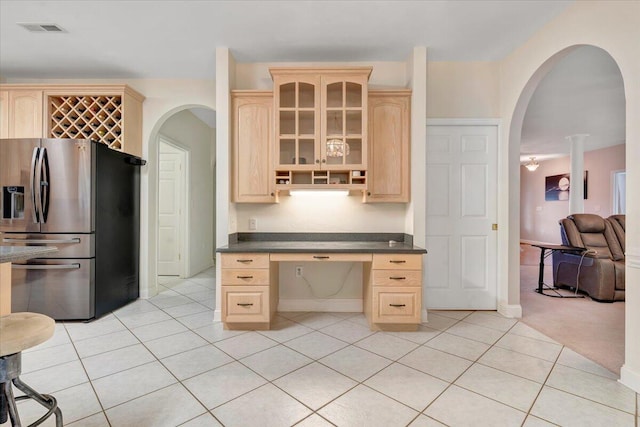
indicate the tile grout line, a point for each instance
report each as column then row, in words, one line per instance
column 178, row 381
column 317, row 360
column 463, row 372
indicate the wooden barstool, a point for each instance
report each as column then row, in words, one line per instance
column 18, row 332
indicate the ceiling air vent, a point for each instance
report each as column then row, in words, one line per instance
column 42, row 28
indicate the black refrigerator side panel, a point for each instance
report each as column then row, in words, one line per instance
column 117, row 230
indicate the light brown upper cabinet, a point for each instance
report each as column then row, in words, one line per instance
column 252, row 146
column 109, row 114
column 21, row 114
column 320, row 127
column 389, row 146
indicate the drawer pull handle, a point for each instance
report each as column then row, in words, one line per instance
column 245, row 304
column 397, row 305
column 321, row 257
column 397, row 261
column 244, row 260
column 244, row 277
column 397, row 278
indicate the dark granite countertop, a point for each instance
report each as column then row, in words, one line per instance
column 313, row 243
column 22, row 253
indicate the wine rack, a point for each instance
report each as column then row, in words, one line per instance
column 98, row 118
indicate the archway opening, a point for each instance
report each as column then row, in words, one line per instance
column 579, row 90
column 189, row 132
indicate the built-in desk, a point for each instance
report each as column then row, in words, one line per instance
column 392, row 279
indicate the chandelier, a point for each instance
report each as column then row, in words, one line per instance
column 337, row 148
column 532, row 165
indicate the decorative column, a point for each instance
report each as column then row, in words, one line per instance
column 576, row 189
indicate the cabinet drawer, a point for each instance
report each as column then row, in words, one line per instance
column 245, row 304
column 397, row 278
column 245, row 260
column 344, row 257
column 397, row 261
column 396, row 305
column 245, row 276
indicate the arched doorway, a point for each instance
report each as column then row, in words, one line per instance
column 561, row 61
column 185, row 140
column 582, row 94
column 185, row 126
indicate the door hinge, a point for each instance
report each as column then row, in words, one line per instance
column 494, row 227
column 179, row 257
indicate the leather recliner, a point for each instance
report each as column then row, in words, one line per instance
column 601, row 267
column 618, row 224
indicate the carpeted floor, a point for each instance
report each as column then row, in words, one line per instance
column 593, row 329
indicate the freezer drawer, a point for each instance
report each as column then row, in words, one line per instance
column 62, row 289
column 69, row 245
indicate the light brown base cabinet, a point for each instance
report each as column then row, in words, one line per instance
column 249, row 291
column 394, row 292
column 392, row 288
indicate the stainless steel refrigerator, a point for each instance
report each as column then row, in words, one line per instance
column 83, row 198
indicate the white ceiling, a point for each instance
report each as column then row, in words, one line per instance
column 177, row 39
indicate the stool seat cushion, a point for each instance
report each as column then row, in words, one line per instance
column 20, row 331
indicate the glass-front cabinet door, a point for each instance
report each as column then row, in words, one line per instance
column 320, row 127
column 297, row 99
column 344, row 131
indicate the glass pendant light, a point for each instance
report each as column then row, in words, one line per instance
column 337, row 148
column 532, row 165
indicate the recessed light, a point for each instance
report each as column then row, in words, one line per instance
column 42, row 28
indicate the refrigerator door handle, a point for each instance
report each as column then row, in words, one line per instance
column 45, row 266
column 33, row 180
column 44, row 184
column 45, row 241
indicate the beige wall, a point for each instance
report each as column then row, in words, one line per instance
column 539, row 218
column 463, row 90
column 192, row 134
column 612, row 26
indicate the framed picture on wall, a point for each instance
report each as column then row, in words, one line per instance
column 557, row 187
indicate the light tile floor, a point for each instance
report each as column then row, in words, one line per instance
column 164, row 362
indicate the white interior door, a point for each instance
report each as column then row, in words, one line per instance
column 461, row 199
column 170, row 210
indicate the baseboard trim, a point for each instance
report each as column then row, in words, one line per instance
column 424, row 316
column 146, row 293
column 630, row 378
column 217, row 315
column 513, row 311
column 322, row 305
